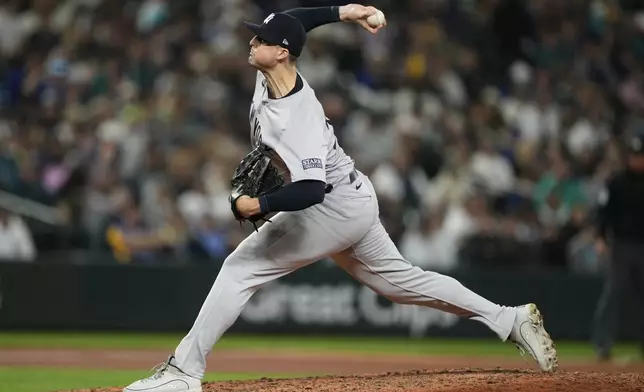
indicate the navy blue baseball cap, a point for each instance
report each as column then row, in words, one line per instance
column 281, row 29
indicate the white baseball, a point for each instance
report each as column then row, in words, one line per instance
column 377, row 19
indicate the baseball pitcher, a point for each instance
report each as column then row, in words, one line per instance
column 324, row 207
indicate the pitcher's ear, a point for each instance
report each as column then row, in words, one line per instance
column 283, row 54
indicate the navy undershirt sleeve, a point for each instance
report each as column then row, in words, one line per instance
column 293, row 197
column 313, row 17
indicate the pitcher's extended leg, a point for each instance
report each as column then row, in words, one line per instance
column 291, row 241
column 376, row 262
column 259, row 259
column 241, row 275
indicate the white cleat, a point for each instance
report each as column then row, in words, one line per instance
column 167, row 378
column 529, row 336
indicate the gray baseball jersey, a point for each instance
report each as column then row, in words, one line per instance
column 345, row 227
column 299, row 133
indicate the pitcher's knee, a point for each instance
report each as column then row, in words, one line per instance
column 240, row 270
column 234, row 270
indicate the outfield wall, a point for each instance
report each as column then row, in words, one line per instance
column 316, row 299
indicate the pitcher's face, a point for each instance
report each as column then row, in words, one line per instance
column 264, row 55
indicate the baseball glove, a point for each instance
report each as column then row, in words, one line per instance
column 254, row 176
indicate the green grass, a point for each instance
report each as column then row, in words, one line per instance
column 367, row 345
column 19, row 379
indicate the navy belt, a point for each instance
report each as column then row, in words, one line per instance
column 353, row 176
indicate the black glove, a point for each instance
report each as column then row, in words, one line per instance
column 254, row 176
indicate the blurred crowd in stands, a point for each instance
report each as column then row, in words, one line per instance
column 487, row 126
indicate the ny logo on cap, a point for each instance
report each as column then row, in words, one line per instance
column 268, row 18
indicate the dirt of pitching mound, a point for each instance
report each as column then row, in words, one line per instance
column 467, row 380
column 464, row 380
